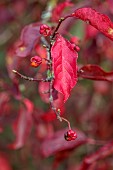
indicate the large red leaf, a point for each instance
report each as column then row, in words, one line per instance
column 95, row 72
column 64, row 66
column 96, row 19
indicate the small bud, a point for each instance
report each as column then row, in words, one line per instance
column 45, row 30
column 36, row 61
column 75, row 40
column 75, row 47
column 70, row 135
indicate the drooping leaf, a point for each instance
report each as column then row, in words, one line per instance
column 100, row 21
column 64, row 66
column 22, row 125
column 94, row 72
column 29, row 36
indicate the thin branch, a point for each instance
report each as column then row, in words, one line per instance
column 59, row 23
column 49, row 63
column 28, row 78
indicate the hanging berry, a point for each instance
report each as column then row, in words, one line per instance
column 70, row 135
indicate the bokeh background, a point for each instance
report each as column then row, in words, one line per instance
column 30, row 136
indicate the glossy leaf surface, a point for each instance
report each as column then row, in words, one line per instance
column 64, row 65
column 100, row 21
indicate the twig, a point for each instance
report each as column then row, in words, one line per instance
column 49, row 60
column 28, row 78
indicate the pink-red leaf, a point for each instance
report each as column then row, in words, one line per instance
column 57, row 143
column 29, row 36
column 95, row 72
column 96, row 19
column 64, row 66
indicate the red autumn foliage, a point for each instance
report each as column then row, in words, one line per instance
column 29, row 37
column 96, row 19
column 56, row 143
column 72, row 78
column 94, row 72
column 64, row 66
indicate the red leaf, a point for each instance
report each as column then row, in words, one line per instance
column 28, row 39
column 100, row 21
column 95, row 72
column 57, row 143
column 102, row 153
column 64, row 66
column 22, row 125
column 4, row 163
column 58, row 10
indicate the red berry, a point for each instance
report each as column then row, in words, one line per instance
column 70, row 135
column 36, row 61
column 45, row 30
